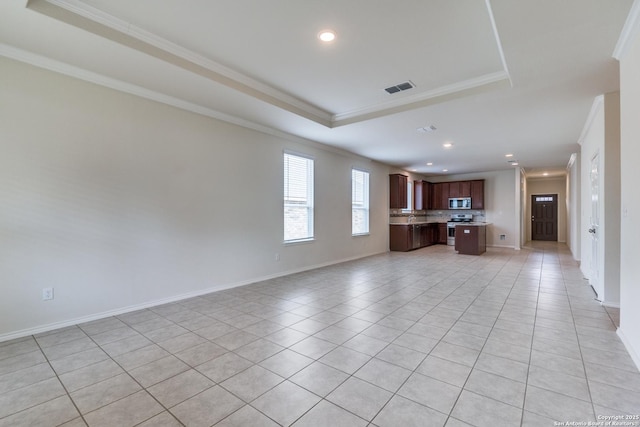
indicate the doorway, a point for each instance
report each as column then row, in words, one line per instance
column 544, row 217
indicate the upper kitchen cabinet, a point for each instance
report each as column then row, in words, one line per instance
column 444, row 197
column 477, row 194
column 440, row 195
column 454, row 189
column 397, row 191
column 436, row 194
column 442, row 191
column 459, row 189
column 421, row 195
column 464, row 188
column 427, row 188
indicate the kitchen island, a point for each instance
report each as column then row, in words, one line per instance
column 471, row 238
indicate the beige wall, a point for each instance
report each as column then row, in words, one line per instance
column 630, row 199
column 118, row 202
column 548, row 186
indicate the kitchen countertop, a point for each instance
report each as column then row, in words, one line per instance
column 440, row 222
column 417, row 223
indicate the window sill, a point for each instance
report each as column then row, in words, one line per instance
column 360, row 234
column 298, row 241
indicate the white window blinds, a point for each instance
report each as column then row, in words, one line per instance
column 359, row 202
column 298, row 198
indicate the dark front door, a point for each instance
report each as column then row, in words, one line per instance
column 544, row 217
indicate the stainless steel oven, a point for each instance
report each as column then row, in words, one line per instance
column 451, row 233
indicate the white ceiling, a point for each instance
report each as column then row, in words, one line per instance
column 494, row 77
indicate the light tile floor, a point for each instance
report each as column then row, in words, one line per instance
column 426, row 338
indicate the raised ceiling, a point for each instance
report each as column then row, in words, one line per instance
column 494, row 77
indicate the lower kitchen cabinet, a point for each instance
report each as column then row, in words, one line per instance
column 400, row 237
column 471, row 239
column 442, row 233
column 405, row 237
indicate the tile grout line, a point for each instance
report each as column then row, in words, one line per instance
column 533, row 334
column 130, row 376
column 480, row 352
column 60, row 381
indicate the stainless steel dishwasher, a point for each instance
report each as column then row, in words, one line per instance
column 415, row 244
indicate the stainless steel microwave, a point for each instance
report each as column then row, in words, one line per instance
column 460, row 203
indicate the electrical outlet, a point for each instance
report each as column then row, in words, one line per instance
column 503, row 236
column 47, row 294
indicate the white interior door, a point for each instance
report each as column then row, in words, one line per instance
column 594, row 280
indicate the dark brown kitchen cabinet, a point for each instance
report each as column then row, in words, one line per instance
column 405, row 237
column 421, row 195
column 442, row 191
column 432, row 234
column 400, row 237
column 471, row 239
column 442, row 233
column 459, row 189
column 436, row 195
column 444, row 197
column 440, row 196
column 426, row 194
column 397, row 191
column 477, row 194
column 454, row 189
column 464, row 188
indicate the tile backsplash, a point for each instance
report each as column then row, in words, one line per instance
column 397, row 216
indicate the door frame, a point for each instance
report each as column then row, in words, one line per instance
column 594, row 224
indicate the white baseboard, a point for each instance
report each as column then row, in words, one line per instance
column 115, row 312
column 629, row 347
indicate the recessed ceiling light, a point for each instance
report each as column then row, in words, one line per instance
column 327, row 35
column 414, row 170
column 445, row 170
column 508, row 155
column 546, row 174
column 514, row 163
column 430, row 164
column 447, row 145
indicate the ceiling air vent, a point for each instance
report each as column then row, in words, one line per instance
column 400, row 87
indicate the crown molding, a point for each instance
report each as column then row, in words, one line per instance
column 88, row 18
column 598, row 102
column 111, row 83
column 423, row 99
column 49, row 64
column 629, row 32
column 498, row 41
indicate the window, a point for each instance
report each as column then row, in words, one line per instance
column 359, row 202
column 544, row 198
column 298, row 198
column 409, row 198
